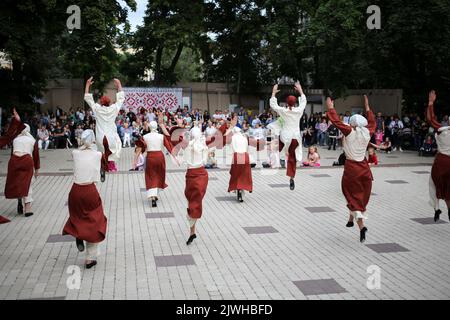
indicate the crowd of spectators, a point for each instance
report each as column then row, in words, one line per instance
column 60, row 129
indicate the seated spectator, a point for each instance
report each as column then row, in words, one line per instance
column 58, row 136
column 273, row 154
column 385, row 146
column 313, row 158
column 211, row 162
column 127, row 134
column 379, row 137
column 429, row 147
column 44, row 137
column 373, row 159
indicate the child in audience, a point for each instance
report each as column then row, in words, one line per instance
column 211, row 162
column 313, row 158
column 373, row 159
column 379, row 137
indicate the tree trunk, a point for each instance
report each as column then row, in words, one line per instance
column 207, row 90
column 239, row 84
column 158, row 62
column 175, row 59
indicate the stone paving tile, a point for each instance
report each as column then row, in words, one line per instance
column 421, row 172
column 427, row 221
column 387, row 247
column 159, row 215
column 174, row 261
column 320, row 175
column 55, row 238
column 319, row 287
column 397, row 181
column 260, row 230
column 319, row 209
column 226, row 199
column 279, row 185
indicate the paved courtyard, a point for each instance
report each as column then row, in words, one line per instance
column 278, row 244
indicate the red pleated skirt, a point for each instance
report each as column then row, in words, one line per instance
column 18, row 180
column 196, row 184
column 241, row 173
column 357, row 184
column 440, row 173
column 155, row 170
column 3, row 220
column 86, row 218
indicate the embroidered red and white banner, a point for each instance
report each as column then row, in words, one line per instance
column 160, row 98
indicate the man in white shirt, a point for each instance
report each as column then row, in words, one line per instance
column 289, row 128
column 108, row 140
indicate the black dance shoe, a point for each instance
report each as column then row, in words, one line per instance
column 28, row 214
column 153, row 203
column 191, row 238
column 91, row 264
column 102, row 175
column 362, row 234
column 350, row 224
column 437, row 214
column 292, row 184
column 19, row 206
column 80, row 245
column 239, row 196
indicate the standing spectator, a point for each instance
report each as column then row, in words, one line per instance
column 332, row 135
column 44, row 138
column 396, row 126
column 322, row 127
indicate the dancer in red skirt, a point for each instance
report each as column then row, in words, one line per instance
column 241, row 171
column 357, row 178
column 108, row 140
column 440, row 173
column 86, row 222
column 155, row 168
column 288, row 127
column 23, row 164
column 14, row 129
column 195, row 157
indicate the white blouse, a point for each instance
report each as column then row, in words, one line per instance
column 24, row 144
column 196, row 158
column 86, row 166
column 239, row 143
column 443, row 141
column 154, row 141
column 355, row 144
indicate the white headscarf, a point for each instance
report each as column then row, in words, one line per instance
column 358, row 120
column 196, row 139
column 237, row 130
column 26, row 132
column 153, row 126
column 87, row 139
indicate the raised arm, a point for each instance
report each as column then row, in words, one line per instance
column 430, row 111
column 120, row 95
column 273, row 101
column 334, row 118
column 88, row 98
column 14, row 129
column 372, row 124
column 302, row 101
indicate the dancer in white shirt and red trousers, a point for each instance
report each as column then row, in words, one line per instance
column 23, row 164
column 357, row 178
column 439, row 184
column 108, row 140
column 14, row 129
column 86, row 222
column 288, row 126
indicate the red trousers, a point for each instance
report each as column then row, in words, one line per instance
column 291, row 165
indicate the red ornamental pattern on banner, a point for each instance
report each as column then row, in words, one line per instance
column 160, row 98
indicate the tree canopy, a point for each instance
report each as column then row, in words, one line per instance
column 247, row 44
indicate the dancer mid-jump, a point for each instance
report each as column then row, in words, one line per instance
column 107, row 138
column 290, row 137
column 357, row 178
column 440, row 173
